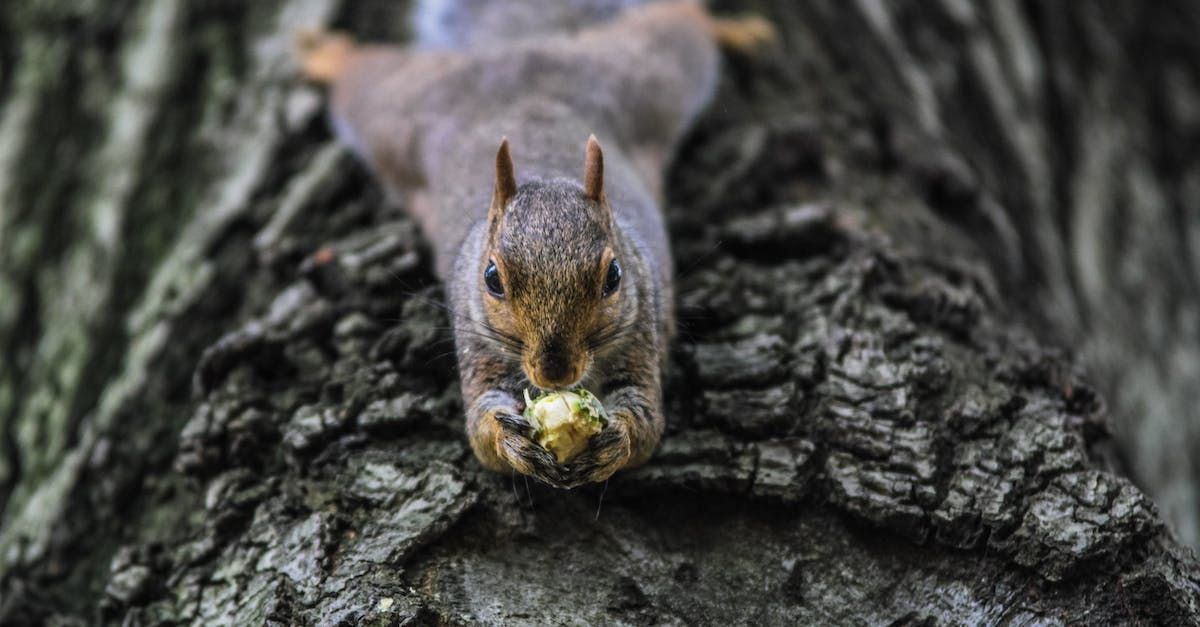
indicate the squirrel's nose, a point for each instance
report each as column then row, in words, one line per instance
column 554, row 367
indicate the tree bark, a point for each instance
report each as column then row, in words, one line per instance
column 228, row 393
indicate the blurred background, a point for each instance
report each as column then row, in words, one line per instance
column 155, row 153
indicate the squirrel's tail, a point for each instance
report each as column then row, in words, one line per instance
column 323, row 55
column 478, row 23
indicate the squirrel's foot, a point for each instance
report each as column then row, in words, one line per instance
column 744, row 35
column 527, row 457
column 607, row 452
column 323, row 55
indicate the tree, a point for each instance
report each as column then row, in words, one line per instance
column 227, row 395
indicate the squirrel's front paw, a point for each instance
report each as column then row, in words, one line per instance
column 607, row 452
column 524, row 455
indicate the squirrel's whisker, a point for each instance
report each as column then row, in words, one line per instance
column 487, row 331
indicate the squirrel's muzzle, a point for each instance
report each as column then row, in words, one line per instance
column 554, row 367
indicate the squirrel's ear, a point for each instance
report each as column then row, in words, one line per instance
column 593, row 171
column 506, row 182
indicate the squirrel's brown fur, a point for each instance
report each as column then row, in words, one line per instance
column 428, row 122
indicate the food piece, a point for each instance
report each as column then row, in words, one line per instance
column 563, row 422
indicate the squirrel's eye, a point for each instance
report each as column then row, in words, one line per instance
column 612, row 280
column 491, row 278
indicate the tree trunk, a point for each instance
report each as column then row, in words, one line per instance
column 228, row 394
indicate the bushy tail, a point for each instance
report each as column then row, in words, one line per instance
column 323, row 55
column 465, row 24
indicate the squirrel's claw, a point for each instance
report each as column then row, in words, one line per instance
column 525, row 455
column 514, row 423
column 608, row 452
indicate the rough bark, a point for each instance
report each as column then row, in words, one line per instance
column 228, row 394
column 1064, row 139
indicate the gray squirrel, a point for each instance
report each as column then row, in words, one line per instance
column 556, row 262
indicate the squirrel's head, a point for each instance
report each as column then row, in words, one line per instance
column 552, row 275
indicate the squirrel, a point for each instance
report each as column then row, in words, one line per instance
column 556, row 275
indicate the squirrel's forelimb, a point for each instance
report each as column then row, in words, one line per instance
column 500, row 439
column 745, row 35
column 630, row 439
